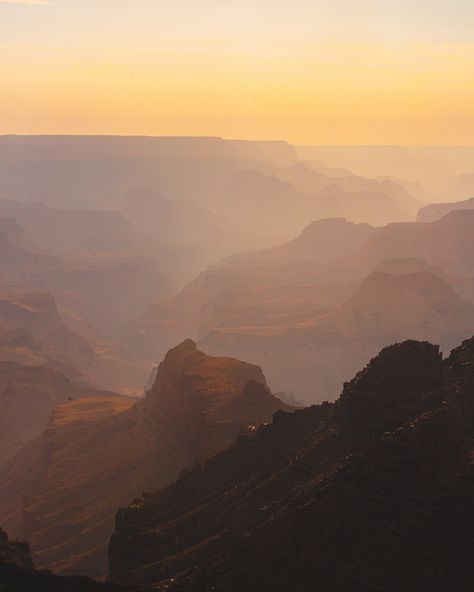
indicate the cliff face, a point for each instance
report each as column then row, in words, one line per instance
column 207, row 400
column 96, row 455
column 370, row 493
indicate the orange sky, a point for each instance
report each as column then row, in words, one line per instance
column 265, row 70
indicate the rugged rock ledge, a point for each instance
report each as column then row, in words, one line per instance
column 62, row 491
column 370, row 494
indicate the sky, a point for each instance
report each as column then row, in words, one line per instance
column 306, row 71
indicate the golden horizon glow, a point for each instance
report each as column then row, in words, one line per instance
column 305, row 90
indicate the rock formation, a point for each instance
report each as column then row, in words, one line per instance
column 370, row 493
column 61, row 491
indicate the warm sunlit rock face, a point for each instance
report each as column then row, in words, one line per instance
column 28, row 395
column 97, row 454
column 374, row 489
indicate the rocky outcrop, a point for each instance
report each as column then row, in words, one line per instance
column 370, row 493
column 14, row 552
column 97, row 454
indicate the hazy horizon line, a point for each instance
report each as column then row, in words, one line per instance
column 230, row 139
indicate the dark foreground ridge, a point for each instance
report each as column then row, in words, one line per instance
column 372, row 493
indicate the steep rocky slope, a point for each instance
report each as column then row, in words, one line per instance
column 313, row 358
column 28, row 394
column 370, row 493
column 62, row 490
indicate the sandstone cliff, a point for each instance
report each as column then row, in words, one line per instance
column 62, row 491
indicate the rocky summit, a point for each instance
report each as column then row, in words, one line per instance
column 372, row 493
column 62, row 490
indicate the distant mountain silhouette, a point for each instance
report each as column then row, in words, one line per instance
column 252, row 300
column 74, row 232
column 250, row 196
column 322, row 240
column 314, row 178
column 314, row 358
column 435, row 211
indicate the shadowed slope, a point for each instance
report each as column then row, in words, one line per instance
column 370, row 493
column 17, row 574
column 28, row 394
column 98, row 454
